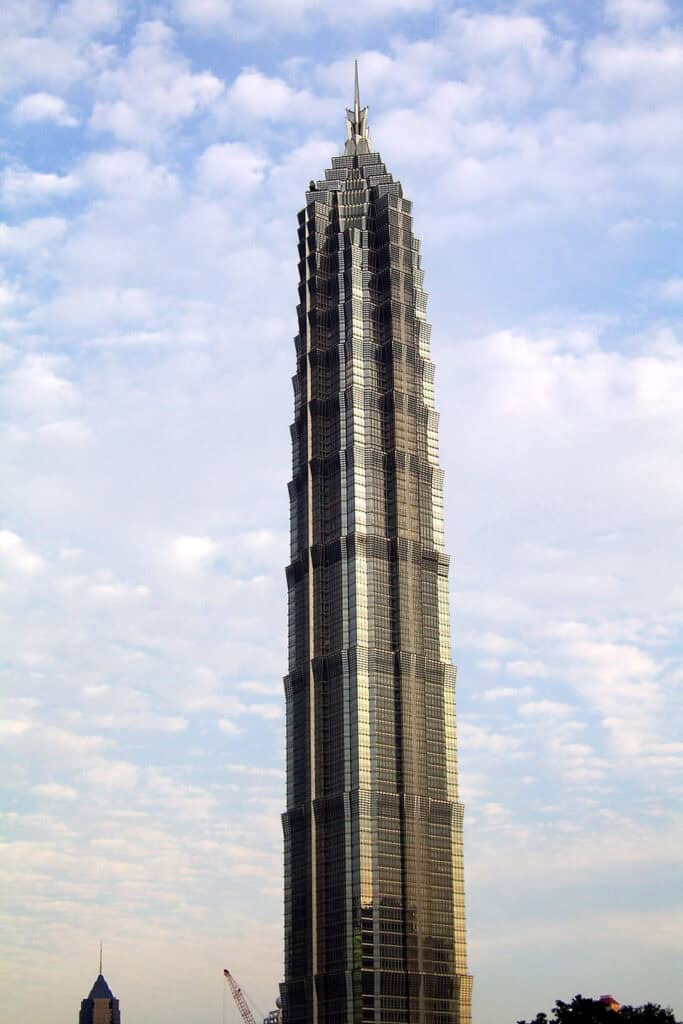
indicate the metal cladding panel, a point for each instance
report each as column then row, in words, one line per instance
column 374, row 897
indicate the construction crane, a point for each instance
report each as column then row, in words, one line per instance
column 239, row 997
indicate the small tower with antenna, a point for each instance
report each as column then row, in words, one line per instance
column 101, row 1006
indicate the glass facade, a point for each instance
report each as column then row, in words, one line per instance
column 374, row 893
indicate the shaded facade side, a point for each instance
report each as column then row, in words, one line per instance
column 374, row 895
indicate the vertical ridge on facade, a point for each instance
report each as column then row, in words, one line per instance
column 374, row 891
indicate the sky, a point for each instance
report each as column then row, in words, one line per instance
column 154, row 158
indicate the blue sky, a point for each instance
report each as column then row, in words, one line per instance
column 154, row 159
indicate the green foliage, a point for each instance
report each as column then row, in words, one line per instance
column 583, row 1010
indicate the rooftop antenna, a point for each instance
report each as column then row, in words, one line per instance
column 357, row 140
column 100, row 956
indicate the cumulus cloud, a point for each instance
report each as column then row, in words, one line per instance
column 152, row 90
column 670, row 290
column 32, row 236
column 503, row 692
column 44, row 106
column 111, row 774
column 127, row 172
column 479, row 738
column 192, row 553
column 527, row 669
column 637, row 14
column 545, row 709
column 20, row 185
column 14, row 726
column 228, row 727
column 254, row 96
column 55, row 791
column 15, row 554
column 37, row 387
column 230, row 166
column 86, row 18
column 298, row 16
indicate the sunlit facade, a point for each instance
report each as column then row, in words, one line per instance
column 374, row 893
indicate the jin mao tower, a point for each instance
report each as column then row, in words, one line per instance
column 374, row 892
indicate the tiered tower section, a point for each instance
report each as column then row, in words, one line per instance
column 374, row 895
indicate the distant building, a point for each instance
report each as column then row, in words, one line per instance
column 101, row 1006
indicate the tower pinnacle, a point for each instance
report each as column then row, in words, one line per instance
column 358, row 140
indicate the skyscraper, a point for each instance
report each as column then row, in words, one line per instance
column 374, row 895
column 101, row 1006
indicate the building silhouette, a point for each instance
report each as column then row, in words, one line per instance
column 100, row 1006
column 374, row 894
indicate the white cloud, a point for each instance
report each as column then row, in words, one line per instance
column 670, row 290
column 85, row 18
column 228, row 727
column 38, row 59
column 503, row 692
column 44, row 106
column 152, row 90
column 651, row 65
column 192, row 553
column 637, row 14
column 35, row 387
column 297, row 16
column 128, row 173
column 204, row 14
column 231, row 166
column 475, row 737
column 143, row 720
column 267, row 711
column 65, row 431
column 577, row 762
column 545, row 709
column 527, row 669
column 253, row 686
column 87, row 307
column 111, row 774
column 32, row 236
column 21, row 185
column 257, row 770
column 14, row 726
column 113, row 591
column 16, row 556
column 621, row 681
column 262, row 97
column 492, row 643
column 9, row 295
column 55, row 791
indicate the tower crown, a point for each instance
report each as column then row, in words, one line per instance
column 100, row 989
column 357, row 137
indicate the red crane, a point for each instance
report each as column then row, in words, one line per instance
column 238, row 996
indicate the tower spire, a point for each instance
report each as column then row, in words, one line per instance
column 100, row 956
column 357, row 138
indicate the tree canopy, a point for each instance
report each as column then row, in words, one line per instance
column 583, row 1010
